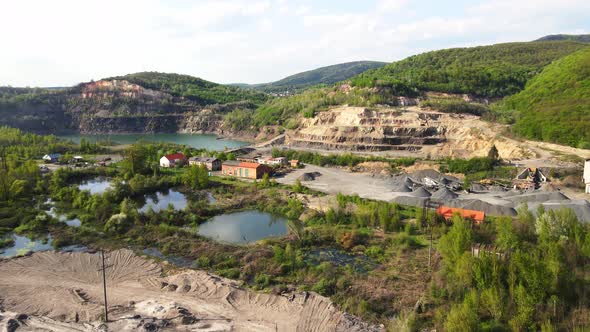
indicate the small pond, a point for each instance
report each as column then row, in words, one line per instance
column 160, row 201
column 23, row 245
column 75, row 222
column 96, row 186
column 243, row 227
column 359, row 263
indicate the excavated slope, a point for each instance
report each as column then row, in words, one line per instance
column 357, row 128
column 409, row 129
column 66, row 287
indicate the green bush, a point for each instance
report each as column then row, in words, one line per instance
column 325, row 287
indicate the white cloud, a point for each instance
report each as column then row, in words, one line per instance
column 390, row 5
column 62, row 42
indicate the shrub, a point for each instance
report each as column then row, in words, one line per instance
column 325, row 287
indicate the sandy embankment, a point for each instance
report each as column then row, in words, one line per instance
column 58, row 289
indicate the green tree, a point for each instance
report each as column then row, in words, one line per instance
column 197, row 177
column 463, row 317
column 117, row 224
column 506, row 237
column 135, row 161
column 297, row 187
column 454, row 243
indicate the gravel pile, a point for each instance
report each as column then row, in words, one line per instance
column 421, row 192
column 410, row 200
column 479, row 205
column 478, row 187
column 444, row 193
column 538, row 197
column 401, row 188
column 580, row 207
column 309, row 176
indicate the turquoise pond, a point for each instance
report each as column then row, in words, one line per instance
column 200, row 141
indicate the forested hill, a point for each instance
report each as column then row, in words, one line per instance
column 555, row 105
column 192, row 88
column 324, row 75
column 578, row 38
column 488, row 71
column 141, row 102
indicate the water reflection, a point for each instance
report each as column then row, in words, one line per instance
column 96, row 186
column 160, row 201
column 244, row 227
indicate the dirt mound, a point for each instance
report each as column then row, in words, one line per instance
column 444, row 193
column 309, row 176
column 376, row 167
column 60, row 287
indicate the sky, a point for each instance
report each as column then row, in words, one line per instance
column 64, row 42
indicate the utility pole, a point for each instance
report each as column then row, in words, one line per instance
column 104, row 286
column 430, row 248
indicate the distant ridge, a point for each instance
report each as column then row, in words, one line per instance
column 323, row 75
column 579, row 38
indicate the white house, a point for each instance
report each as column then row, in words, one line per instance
column 52, row 157
column 587, row 175
column 272, row 161
column 173, row 160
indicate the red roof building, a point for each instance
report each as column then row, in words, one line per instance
column 448, row 212
column 244, row 169
column 172, row 160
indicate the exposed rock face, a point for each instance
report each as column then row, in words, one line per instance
column 408, row 130
column 359, row 128
column 114, row 106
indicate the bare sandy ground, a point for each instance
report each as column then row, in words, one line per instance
column 338, row 180
column 63, row 292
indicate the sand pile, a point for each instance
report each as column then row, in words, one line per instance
column 64, row 287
